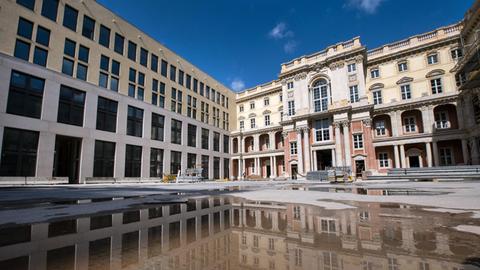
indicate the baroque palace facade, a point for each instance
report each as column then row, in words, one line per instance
column 395, row 106
column 85, row 95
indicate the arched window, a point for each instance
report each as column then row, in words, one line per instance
column 320, row 95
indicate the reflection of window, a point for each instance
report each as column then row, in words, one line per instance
column 364, row 215
column 255, row 240
column 244, row 239
column 423, row 266
column 271, row 243
column 298, row 257
column 296, row 212
column 328, row 226
column 393, row 264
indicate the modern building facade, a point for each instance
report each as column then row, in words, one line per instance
column 87, row 96
column 84, row 94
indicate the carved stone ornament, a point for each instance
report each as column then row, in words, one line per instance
column 346, row 123
column 284, row 82
column 300, row 76
column 359, row 58
column 367, row 122
column 284, row 134
column 337, row 124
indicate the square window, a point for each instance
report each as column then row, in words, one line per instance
column 67, row 66
column 25, row 28
column 40, row 56
column 432, row 59
column 83, row 53
column 49, row 9
column 114, row 84
column 22, row 50
column 103, row 80
column 69, row 48
column 131, row 90
column 43, row 36
column 104, row 63
column 82, row 72
column 132, row 75
column 115, row 67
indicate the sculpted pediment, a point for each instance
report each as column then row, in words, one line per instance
column 376, row 86
column 435, row 72
column 405, row 80
column 252, row 115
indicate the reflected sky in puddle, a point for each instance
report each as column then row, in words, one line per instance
column 227, row 233
column 367, row 191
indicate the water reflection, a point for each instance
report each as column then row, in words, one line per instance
column 222, row 233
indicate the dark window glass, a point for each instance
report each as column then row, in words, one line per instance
column 158, row 122
column 134, row 121
column 205, row 165
column 132, row 74
column 164, row 68
column 156, row 162
column 175, row 162
column 61, row 258
column 192, row 135
column 195, row 85
column 107, row 114
column 99, row 252
column 30, row 4
column 140, row 93
column 62, row 227
column 25, row 95
column 141, row 78
column 104, row 63
column 119, row 43
column 22, row 50
column 188, row 82
column 205, row 138
column 104, row 159
column 154, row 63
column 114, row 84
column 69, row 48
column 132, row 51
column 88, row 29
column 82, row 72
column 173, row 72
column 103, row 80
column 131, row 90
column 83, row 53
column 43, row 36
column 70, row 17
column 19, row 152
column 104, row 38
column 226, row 169
column 191, row 160
column 67, row 67
column 130, row 248
column 25, row 28
column 226, row 142
column 49, row 9
column 176, row 132
column 40, row 56
column 99, row 222
column 115, row 67
column 71, row 105
column 181, row 76
column 216, row 141
column 133, row 160
column 18, row 263
column 216, row 167
column 143, row 57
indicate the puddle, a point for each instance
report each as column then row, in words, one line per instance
column 223, row 232
column 368, row 191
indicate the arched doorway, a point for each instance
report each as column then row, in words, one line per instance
column 414, row 158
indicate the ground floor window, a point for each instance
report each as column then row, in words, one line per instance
column 446, row 156
column 205, row 161
column 175, row 162
column 19, row 152
column 156, row 162
column 216, row 168
column 383, row 160
column 191, row 161
column 104, row 159
column 226, row 168
column 133, row 160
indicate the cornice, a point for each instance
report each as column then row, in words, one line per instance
column 261, row 93
column 415, row 104
column 257, row 131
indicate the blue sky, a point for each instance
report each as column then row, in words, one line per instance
column 243, row 43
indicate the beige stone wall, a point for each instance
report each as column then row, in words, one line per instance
column 9, row 16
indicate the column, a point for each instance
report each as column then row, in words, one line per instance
column 274, row 167
column 257, row 166
column 429, row 154
column 334, row 159
column 436, row 156
column 402, row 155
column 256, row 143
column 346, row 140
column 427, row 119
column 243, row 169
column 338, row 146
column 474, row 149
column 306, row 143
column 271, row 167
column 466, row 156
column 397, row 156
column 314, row 157
column 394, row 121
column 299, row 151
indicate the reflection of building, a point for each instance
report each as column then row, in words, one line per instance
column 467, row 72
column 218, row 234
column 178, row 236
column 372, row 236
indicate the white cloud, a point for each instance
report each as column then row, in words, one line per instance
column 368, row 6
column 290, row 46
column 237, row 84
column 280, row 31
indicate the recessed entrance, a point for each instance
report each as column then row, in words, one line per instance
column 359, row 168
column 414, row 161
column 324, row 159
column 67, row 158
column 294, row 170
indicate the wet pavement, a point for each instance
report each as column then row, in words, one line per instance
column 217, row 229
